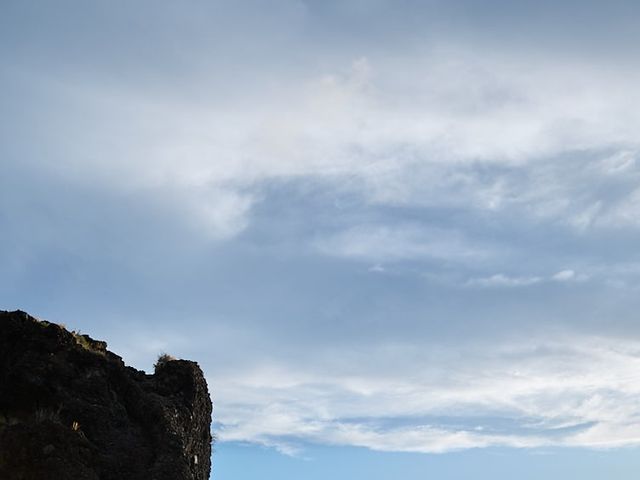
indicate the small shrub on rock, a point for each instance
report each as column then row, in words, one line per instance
column 162, row 359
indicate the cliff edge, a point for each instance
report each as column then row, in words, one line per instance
column 69, row 408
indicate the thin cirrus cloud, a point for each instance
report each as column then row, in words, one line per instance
column 502, row 280
column 577, row 392
column 403, row 242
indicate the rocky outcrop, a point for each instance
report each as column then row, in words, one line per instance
column 71, row 409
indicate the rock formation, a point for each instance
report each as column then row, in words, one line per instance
column 71, row 409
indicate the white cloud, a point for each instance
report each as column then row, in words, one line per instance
column 578, row 391
column 218, row 212
column 377, row 268
column 626, row 212
column 504, row 280
column 426, row 129
column 569, row 276
column 402, row 242
column 564, row 275
column 501, row 280
column 584, row 219
column 619, row 162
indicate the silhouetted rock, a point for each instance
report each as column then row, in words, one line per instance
column 70, row 409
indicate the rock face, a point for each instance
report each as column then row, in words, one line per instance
column 70, row 409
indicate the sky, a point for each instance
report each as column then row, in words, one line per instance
column 400, row 238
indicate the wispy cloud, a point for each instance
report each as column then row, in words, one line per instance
column 503, row 280
column 403, row 242
column 569, row 392
column 491, row 147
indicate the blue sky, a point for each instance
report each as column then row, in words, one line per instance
column 399, row 237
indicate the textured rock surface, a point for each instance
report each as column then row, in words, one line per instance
column 70, row 409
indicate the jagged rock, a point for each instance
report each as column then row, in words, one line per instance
column 70, row 409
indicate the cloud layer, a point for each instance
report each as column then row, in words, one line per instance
column 356, row 213
column 572, row 392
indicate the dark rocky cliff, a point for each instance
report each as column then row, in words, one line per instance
column 70, row 409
